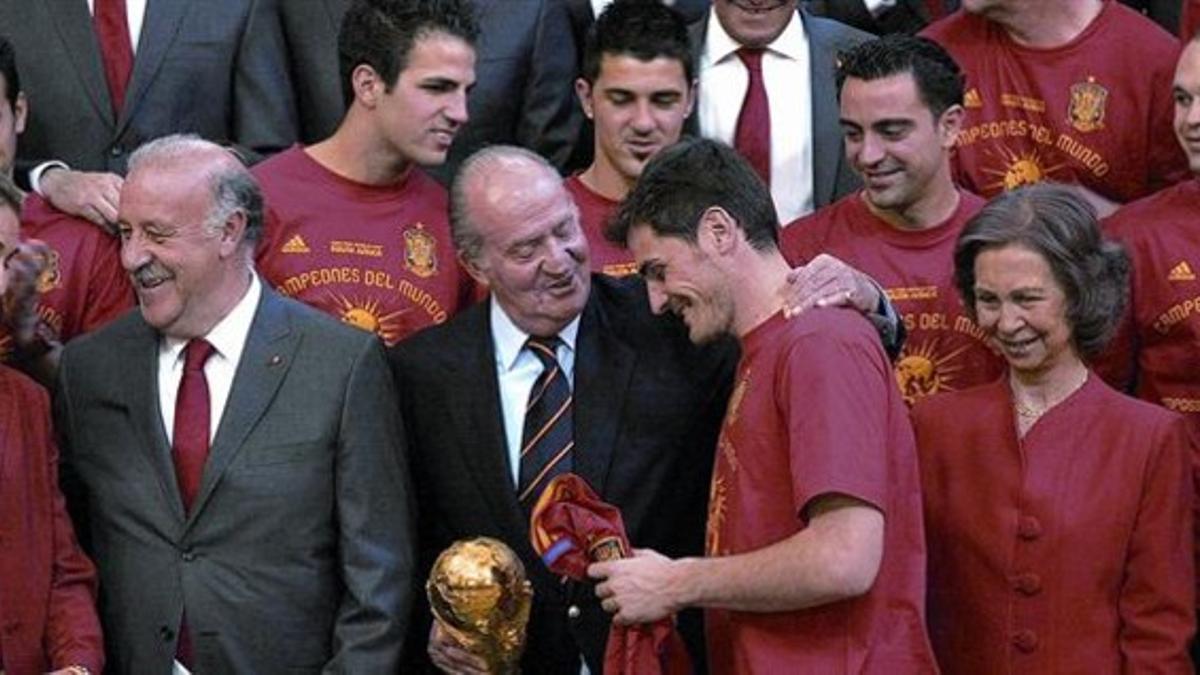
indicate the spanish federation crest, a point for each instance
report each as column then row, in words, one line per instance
column 420, row 251
column 1086, row 110
column 50, row 277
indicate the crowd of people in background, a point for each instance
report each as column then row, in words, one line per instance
column 878, row 321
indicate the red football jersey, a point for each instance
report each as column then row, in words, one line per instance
column 594, row 211
column 83, row 285
column 378, row 258
column 814, row 412
column 1159, row 343
column 1090, row 112
column 945, row 350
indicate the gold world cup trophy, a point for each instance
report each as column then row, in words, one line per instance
column 480, row 596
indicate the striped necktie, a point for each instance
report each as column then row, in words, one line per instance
column 549, row 435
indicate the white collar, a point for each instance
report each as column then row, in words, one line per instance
column 228, row 337
column 792, row 43
column 510, row 340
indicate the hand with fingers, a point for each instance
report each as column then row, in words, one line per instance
column 828, row 282
column 91, row 195
column 450, row 656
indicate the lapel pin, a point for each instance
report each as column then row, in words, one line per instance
column 275, row 360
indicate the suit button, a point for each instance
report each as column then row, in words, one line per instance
column 1027, row 584
column 1029, row 528
column 1025, row 640
column 573, row 612
column 116, row 151
column 166, row 633
column 189, row 555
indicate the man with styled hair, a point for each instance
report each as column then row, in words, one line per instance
column 815, row 556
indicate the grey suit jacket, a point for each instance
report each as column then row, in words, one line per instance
column 833, row 177
column 906, row 16
column 217, row 69
column 297, row 555
column 310, row 28
column 524, row 94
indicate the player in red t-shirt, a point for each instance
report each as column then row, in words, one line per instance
column 1157, row 350
column 353, row 226
column 638, row 87
column 1054, row 93
column 815, row 549
column 65, row 279
column 901, row 107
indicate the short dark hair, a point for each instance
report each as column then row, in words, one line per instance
column 381, row 34
column 1058, row 224
column 683, row 181
column 939, row 80
column 643, row 29
column 8, row 69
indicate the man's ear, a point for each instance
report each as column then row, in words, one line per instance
column 233, row 232
column 949, row 124
column 368, row 85
column 20, row 113
column 718, row 231
column 583, row 90
column 472, row 267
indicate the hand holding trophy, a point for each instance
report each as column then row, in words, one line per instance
column 481, row 598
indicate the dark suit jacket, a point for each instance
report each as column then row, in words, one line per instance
column 297, row 553
column 310, row 29
column 217, row 69
column 524, row 91
column 647, row 408
column 47, row 586
column 833, row 178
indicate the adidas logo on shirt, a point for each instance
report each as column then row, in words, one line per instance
column 1181, row 272
column 295, row 245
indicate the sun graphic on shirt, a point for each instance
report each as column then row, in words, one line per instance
column 365, row 315
column 922, row 372
column 1026, row 168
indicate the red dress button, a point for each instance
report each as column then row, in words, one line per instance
column 1027, row 584
column 1025, row 640
column 1029, row 528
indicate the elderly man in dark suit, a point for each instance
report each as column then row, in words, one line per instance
column 130, row 71
column 646, row 404
column 767, row 88
column 233, row 456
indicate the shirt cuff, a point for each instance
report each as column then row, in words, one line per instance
column 877, row 7
column 35, row 176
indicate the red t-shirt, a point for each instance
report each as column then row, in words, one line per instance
column 945, row 350
column 1189, row 22
column 83, row 285
column 378, row 258
column 594, row 211
column 1068, row 551
column 1096, row 111
column 1160, row 336
column 814, row 411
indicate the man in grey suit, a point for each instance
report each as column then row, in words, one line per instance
column 233, row 457
column 796, row 53
column 217, row 69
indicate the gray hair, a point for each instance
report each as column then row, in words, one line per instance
column 1058, row 224
column 464, row 230
column 232, row 186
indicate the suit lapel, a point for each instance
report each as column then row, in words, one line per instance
column 79, row 42
column 142, row 400
column 265, row 361
column 696, row 33
column 487, row 459
column 826, row 133
column 161, row 24
column 604, row 368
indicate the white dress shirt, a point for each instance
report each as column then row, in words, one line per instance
column 787, row 77
column 516, row 371
column 228, row 337
column 135, row 13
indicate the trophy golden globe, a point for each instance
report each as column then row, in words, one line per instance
column 479, row 594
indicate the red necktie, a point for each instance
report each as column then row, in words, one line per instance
column 752, row 139
column 116, row 47
column 190, row 442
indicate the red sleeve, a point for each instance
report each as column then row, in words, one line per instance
column 834, row 388
column 109, row 294
column 271, row 228
column 72, row 633
column 799, row 242
column 1157, row 601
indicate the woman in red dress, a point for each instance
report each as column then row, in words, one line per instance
column 1057, row 511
